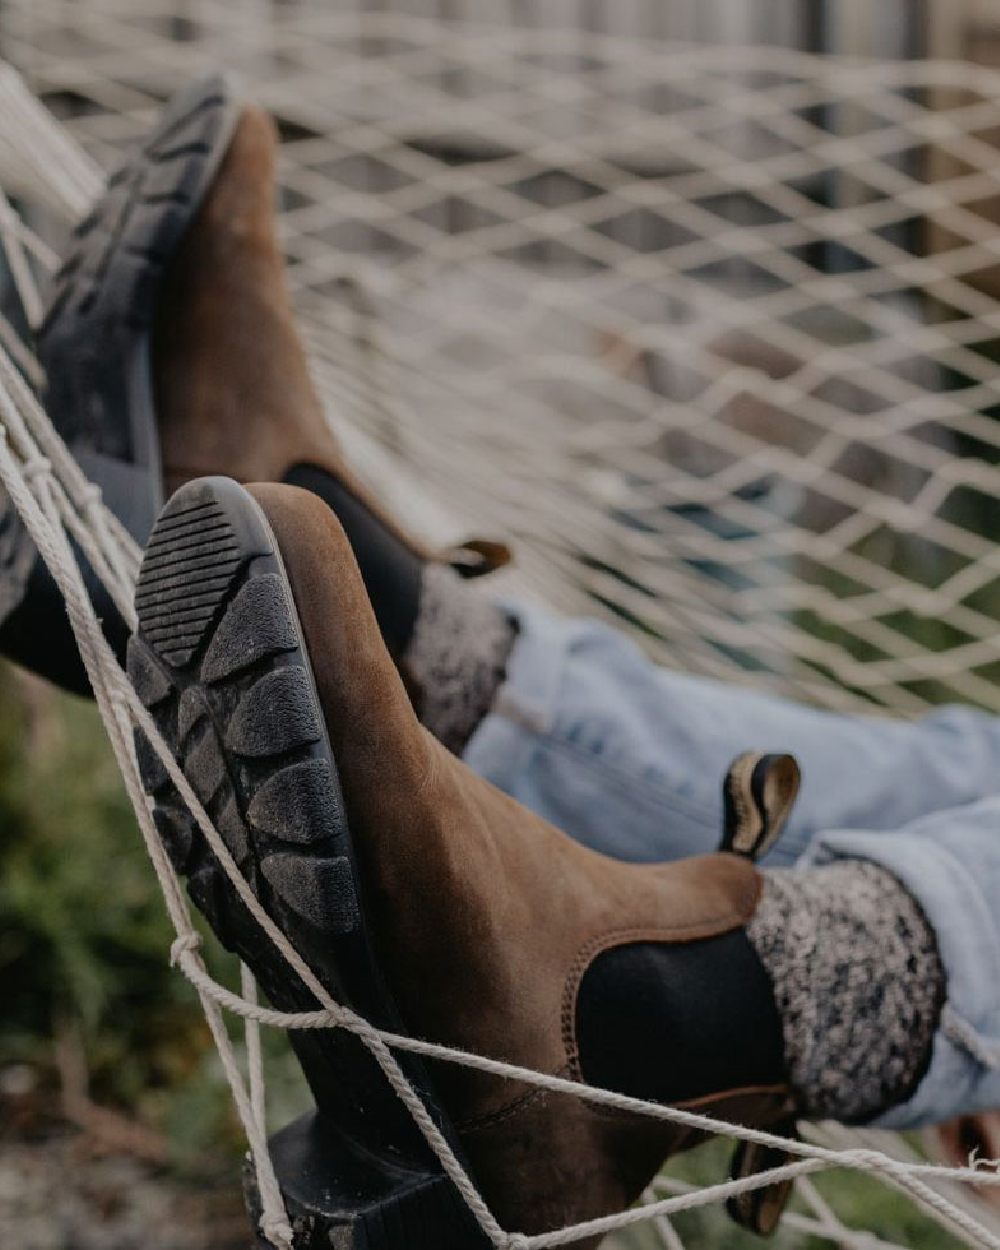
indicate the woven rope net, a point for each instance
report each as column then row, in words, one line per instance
column 710, row 334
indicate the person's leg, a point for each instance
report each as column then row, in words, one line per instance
column 171, row 351
column 949, row 862
column 225, row 388
column 388, row 863
column 395, row 870
column 629, row 758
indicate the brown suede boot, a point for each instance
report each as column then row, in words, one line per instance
column 233, row 390
column 170, row 351
column 170, row 321
column 415, row 890
column 232, row 387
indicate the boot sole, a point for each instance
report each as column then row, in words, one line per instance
column 221, row 663
column 94, row 345
column 94, row 340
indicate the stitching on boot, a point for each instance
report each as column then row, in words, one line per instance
column 492, row 1118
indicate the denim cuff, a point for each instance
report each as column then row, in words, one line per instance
column 963, row 1075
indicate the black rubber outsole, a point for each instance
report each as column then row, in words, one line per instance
column 94, row 346
column 93, row 342
column 221, row 663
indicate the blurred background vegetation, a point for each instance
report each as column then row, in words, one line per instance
column 104, row 1052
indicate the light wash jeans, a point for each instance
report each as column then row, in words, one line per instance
column 629, row 759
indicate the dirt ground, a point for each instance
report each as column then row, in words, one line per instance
column 54, row 1195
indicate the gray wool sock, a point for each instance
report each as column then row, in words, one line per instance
column 858, row 983
column 457, row 655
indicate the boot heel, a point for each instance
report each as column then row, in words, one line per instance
column 339, row 1194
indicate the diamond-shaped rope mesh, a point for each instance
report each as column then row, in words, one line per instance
column 710, row 334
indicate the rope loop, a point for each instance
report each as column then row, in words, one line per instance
column 36, row 467
column 184, row 944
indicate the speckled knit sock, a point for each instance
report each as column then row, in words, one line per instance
column 858, row 983
column 456, row 657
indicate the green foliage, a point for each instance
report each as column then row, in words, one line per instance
column 860, row 1201
column 84, row 936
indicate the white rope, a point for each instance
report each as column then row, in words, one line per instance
column 963, row 1035
column 117, row 701
column 255, row 1058
column 817, row 1157
column 378, row 1042
column 578, row 478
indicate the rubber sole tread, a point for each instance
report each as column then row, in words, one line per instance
column 103, row 299
column 253, row 742
column 230, row 688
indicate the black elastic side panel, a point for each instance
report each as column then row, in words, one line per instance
column 37, row 633
column 670, row 1022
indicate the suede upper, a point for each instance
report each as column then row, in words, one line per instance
column 485, row 917
column 232, row 385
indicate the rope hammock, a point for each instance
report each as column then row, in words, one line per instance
column 726, row 320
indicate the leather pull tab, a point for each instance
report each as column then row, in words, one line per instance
column 476, row 557
column 760, row 1210
column 758, row 795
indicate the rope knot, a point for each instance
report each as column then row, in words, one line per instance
column 37, row 466
column 277, row 1231
column 120, row 699
column 516, row 1241
column 90, row 497
column 185, row 944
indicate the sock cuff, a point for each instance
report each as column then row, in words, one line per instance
column 858, row 981
column 457, row 655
